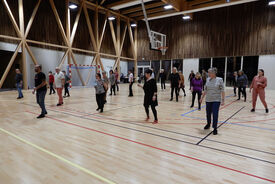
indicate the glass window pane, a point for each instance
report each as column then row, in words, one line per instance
column 219, row 63
column 156, row 66
column 166, row 65
column 250, row 66
column 204, row 64
column 233, row 64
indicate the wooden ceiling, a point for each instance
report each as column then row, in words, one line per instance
column 155, row 8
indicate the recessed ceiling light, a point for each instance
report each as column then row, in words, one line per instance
column 167, row 7
column 111, row 18
column 271, row 3
column 133, row 25
column 72, row 6
column 186, row 17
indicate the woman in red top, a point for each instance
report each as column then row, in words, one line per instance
column 258, row 85
column 51, row 81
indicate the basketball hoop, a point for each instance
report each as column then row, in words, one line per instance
column 162, row 49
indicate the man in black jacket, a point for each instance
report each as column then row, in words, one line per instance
column 174, row 79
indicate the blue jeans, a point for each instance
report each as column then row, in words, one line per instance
column 212, row 108
column 40, row 99
column 19, row 89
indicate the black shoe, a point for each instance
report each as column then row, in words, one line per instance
column 58, row 104
column 215, row 131
column 199, row 108
column 46, row 112
column 184, row 94
column 207, row 127
column 101, row 111
column 110, row 94
column 171, row 99
column 252, row 110
column 64, row 96
column 40, row 116
column 18, row 97
column 68, row 95
column 244, row 100
column 50, row 94
column 266, row 110
column 238, row 99
column 177, row 100
column 114, row 94
column 191, row 106
column 97, row 109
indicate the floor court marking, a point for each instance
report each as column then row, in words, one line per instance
column 138, row 124
column 221, row 124
column 161, row 149
column 58, row 157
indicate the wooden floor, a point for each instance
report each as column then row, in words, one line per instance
column 75, row 144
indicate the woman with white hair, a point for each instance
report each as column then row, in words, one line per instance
column 59, row 81
column 214, row 92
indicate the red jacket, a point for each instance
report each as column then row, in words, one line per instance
column 51, row 79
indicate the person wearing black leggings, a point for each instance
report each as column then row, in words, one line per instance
column 196, row 88
column 174, row 79
column 242, row 83
column 150, row 97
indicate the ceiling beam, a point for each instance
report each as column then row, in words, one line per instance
column 136, row 9
column 156, row 14
column 175, row 3
column 151, row 11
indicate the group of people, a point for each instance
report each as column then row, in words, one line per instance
column 205, row 85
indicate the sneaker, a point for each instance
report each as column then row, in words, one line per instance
column 101, row 111
column 252, row 110
column 155, row 122
column 58, row 104
column 171, row 99
column 207, row 126
column 215, row 131
column 97, row 109
column 266, row 110
column 40, row 116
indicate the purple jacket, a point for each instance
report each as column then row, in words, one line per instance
column 197, row 84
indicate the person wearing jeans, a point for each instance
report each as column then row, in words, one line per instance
column 214, row 92
column 19, row 83
column 41, row 90
column 196, row 88
column 59, row 81
column 51, row 81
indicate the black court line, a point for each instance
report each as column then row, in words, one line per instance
column 169, row 131
column 166, row 137
column 221, row 124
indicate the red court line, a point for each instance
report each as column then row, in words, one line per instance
column 161, row 149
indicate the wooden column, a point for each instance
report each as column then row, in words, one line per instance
column 118, row 46
column 23, row 48
column 135, row 54
column 68, row 31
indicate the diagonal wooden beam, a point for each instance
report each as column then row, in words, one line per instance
column 113, row 35
column 78, row 72
column 123, row 39
column 32, row 18
column 147, row 6
column 102, row 34
column 6, row 5
column 76, row 23
column 3, row 78
column 175, row 3
column 59, row 23
column 90, row 28
column 31, row 54
column 63, row 58
column 131, row 38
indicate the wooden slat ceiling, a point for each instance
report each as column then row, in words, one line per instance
column 155, row 8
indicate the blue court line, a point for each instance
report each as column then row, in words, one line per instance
column 201, row 107
column 239, row 124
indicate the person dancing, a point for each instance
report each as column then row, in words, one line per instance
column 258, row 85
column 174, row 83
column 150, row 97
column 181, row 83
column 196, row 88
column 100, row 87
column 214, row 92
column 242, row 83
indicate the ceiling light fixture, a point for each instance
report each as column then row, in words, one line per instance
column 133, row 25
column 186, row 17
column 72, row 6
column 168, row 7
column 271, row 3
column 111, row 18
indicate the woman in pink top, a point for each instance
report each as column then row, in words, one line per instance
column 258, row 85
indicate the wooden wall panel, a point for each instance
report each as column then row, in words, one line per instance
column 247, row 29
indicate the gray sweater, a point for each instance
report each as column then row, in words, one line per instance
column 112, row 79
column 214, row 88
column 99, row 87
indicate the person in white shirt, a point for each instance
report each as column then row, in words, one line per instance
column 59, row 80
column 131, row 81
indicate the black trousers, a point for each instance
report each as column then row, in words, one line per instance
column 162, row 82
column 194, row 96
column 130, row 89
column 153, row 107
column 204, row 82
column 117, row 87
column 51, row 88
column 100, row 100
column 235, row 89
column 176, row 89
column 183, row 89
column 113, row 89
column 66, row 87
column 243, row 91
